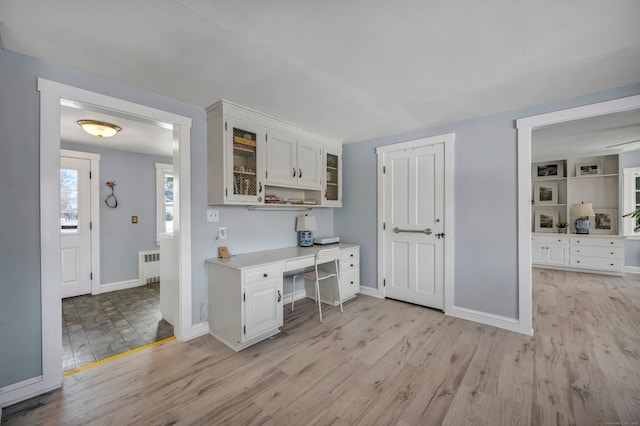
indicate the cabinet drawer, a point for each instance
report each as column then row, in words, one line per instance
column 551, row 239
column 349, row 265
column 597, row 251
column 596, row 263
column 350, row 283
column 262, row 273
column 601, row 242
column 350, row 254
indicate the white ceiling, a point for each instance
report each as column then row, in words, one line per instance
column 354, row 69
column 137, row 134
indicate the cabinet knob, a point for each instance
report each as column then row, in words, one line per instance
column 265, row 275
column 352, row 265
column 577, row 261
column 559, row 241
column 611, row 242
column 611, row 264
column 611, row 253
column 577, row 251
column 351, row 282
column 351, row 254
column 578, row 241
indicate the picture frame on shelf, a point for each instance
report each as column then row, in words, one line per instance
column 545, row 220
column 605, row 222
column 549, row 169
column 588, row 169
column 545, row 193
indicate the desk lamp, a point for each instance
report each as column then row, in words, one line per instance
column 305, row 225
column 582, row 212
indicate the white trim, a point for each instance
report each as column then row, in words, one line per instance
column 632, row 269
column 628, row 200
column 370, row 291
column 20, row 391
column 525, row 126
column 449, row 242
column 498, row 321
column 94, row 160
column 199, row 329
column 120, row 285
column 161, row 170
column 51, row 305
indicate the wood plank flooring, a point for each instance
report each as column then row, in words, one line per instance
column 383, row 362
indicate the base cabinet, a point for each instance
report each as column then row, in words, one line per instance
column 588, row 253
column 245, row 305
column 349, row 279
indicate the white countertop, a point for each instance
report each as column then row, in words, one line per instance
column 265, row 257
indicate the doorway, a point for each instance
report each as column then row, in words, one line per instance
column 51, row 94
column 415, row 221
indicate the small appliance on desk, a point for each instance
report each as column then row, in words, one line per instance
column 322, row 241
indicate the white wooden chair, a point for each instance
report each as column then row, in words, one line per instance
column 317, row 275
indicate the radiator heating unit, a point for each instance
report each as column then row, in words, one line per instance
column 149, row 266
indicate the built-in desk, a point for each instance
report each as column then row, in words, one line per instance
column 246, row 291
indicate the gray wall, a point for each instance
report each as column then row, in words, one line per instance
column 485, row 198
column 121, row 240
column 631, row 246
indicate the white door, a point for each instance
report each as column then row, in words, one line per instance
column 75, row 222
column 414, row 215
column 309, row 164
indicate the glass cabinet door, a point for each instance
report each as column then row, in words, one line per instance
column 246, row 146
column 333, row 185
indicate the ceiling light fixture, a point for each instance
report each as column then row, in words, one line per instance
column 99, row 128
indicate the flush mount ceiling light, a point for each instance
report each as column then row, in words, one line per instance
column 99, row 128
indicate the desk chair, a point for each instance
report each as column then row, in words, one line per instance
column 317, row 275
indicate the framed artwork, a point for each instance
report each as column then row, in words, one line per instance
column 605, row 222
column 545, row 220
column 551, row 169
column 545, row 193
column 588, row 169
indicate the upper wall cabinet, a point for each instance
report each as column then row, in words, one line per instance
column 254, row 159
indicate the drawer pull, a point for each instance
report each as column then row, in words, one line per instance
column 611, row 242
column 279, row 296
column 577, row 251
column 352, row 281
column 577, row 261
column 611, row 264
column 351, row 255
column 611, row 253
column 352, row 265
column 265, row 275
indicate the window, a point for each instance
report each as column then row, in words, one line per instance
column 164, row 199
column 631, row 199
column 68, row 201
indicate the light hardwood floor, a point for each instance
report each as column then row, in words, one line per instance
column 384, row 362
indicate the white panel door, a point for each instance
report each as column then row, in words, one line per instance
column 281, row 159
column 309, row 165
column 75, row 221
column 414, row 225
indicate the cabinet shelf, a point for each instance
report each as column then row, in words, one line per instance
column 331, row 168
column 540, row 179
column 595, row 176
column 332, row 184
column 238, row 172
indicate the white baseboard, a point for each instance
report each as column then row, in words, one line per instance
column 121, row 285
column 369, row 291
column 23, row 390
column 632, row 269
column 498, row 321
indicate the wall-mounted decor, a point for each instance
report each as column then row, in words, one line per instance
column 606, row 221
column 545, row 220
column 549, row 169
column 545, row 193
column 111, row 200
column 588, row 169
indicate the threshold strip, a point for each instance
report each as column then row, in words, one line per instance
column 104, row 361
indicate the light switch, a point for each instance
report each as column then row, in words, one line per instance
column 213, row 215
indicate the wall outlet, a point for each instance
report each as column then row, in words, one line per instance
column 222, row 233
column 213, row 215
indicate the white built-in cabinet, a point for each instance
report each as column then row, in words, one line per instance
column 557, row 186
column 251, row 155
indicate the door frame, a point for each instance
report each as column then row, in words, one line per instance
column 51, row 94
column 525, row 127
column 94, row 190
column 449, row 141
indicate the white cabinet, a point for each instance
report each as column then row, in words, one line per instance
column 292, row 162
column 349, row 278
column 245, row 305
column 588, row 253
column 550, row 250
column 332, row 192
column 248, row 151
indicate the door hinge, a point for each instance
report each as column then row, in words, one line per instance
column 384, row 226
column 244, row 329
column 266, row 137
column 90, row 225
column 384, row 169
column 244, row 297
column 89, row 175
column 266, row 174
column 226, row 192
column 384, row 282
column 225, row 126
column 91, row 276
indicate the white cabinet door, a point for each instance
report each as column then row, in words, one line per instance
column 309, row 156
column 538, row 253
column 263, row 310
column 281, row 159
column 332, row 191
column 558, row 255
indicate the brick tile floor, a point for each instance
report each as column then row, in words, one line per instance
column 99, row 327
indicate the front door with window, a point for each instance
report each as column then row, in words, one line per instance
column 75, row 226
